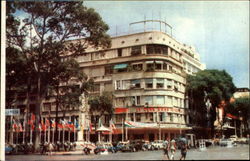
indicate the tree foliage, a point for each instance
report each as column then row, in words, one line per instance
column 101, row 105
column 240, row 107
column 41, row 32
column 216, row 85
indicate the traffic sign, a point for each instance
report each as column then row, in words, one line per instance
column 11, row 112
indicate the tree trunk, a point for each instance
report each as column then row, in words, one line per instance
column 38, row 113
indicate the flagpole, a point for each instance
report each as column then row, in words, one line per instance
column 23, row 130
column 59, row 135
column 53, row 135
column 45, row 134
column 122, row 129
column 11, row 131
column 110, row 133
column 49, row 133
column 63, row 133
column 31, row 134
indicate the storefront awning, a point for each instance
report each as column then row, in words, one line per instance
column 120, row 66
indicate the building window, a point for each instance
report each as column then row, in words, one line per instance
column 157, row 49
column 138, row 117
column 159, row 83
column 158, row 65
column 148, row 100
column 108, row 70
column 132, row 117
column 136, row 50
column 171, row 117
column 137, row 67
column 118, row 85
column 150, row 49
column 149, row 83
column 165, row 67
column 119, row 52
column 151, row 117
column 160, row 100
column 136, row 83
column 136, row 100
column 169, row 83
column 161, row 116
column 165, row 50
column 150, row 65
column 119, row 118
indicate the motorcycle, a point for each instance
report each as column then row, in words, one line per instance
column 87, row 150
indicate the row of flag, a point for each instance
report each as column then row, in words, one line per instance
column 63, row 124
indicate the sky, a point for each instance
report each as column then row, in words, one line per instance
column 219, row 30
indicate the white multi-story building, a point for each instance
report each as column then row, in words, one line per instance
column 146, row 72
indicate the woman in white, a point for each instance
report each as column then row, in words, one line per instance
column 172, row 149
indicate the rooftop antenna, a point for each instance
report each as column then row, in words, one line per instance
column 160, row 20
column 144, row 23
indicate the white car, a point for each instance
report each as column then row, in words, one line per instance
column 233, row 138
column 158, row 144
column 226, row 142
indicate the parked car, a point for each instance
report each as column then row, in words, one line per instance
column 9, row 149
column 147, row 146
column 158, row 144
column 226, row 142
column 128, row 147
column 120, row 145
column 233, row 138
column 100, row 148
column 111, row 148
column 138, row 144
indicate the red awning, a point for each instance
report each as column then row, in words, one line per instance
column 231, row 116
column 121, row 110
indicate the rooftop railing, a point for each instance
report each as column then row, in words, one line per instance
column 142, row 26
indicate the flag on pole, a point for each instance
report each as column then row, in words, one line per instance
column 76, row 123
column 47, row 123
column 43, row 126
column 14, row 125
column 63, row 123
column 53, row 123
column 59, row 125
column 112, row 126
column 20, row 127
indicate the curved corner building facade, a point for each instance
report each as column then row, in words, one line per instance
column 146, row 72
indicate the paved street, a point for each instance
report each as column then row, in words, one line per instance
column 240, row 152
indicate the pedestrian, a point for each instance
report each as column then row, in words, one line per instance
column 183, row 150
column 166, row 148
column 50, row 148
column 172, row 149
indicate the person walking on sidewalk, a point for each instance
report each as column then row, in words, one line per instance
column 172, row 149
column 183, row 150
column 165, row 149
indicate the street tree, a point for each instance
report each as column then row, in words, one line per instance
column 212, row 85
column 239, row 107
column 47, row 26
column 101, row 105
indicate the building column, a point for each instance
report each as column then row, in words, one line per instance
column 82, row 123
